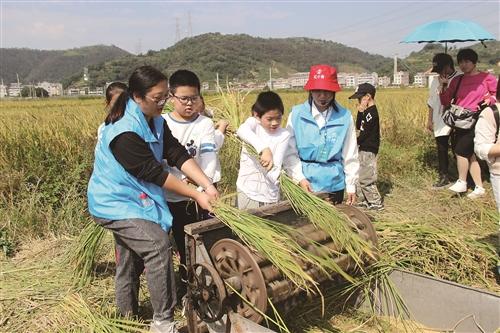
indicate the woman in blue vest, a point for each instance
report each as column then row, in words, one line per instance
column 125, row 193
column 324, row 136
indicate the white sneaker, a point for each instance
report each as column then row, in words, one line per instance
column 460, row 186
column 477, row 193
column 163, row 326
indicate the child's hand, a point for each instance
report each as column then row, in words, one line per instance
column 305, row 185
column 430, row 126
column 266, row 158
column 351, row 199
column 222, row 125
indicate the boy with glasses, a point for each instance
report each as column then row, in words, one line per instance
column 196, row 133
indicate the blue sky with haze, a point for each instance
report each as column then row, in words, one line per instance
column 373, row 26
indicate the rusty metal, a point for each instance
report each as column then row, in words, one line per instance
column 207, row 292
column 232, row 259
column 241, row 272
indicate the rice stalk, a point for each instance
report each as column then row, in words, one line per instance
column 77, row 313
column 325, row 217
column 442, row 252
column 377, row 289
column 233, row 106
column 271, row 240
column 277, row 320
column 82, row 256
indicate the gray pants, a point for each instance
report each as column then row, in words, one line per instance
column 367, row 187
column 245, row 202
column 143, row 244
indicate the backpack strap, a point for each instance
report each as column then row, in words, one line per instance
column 497, row 118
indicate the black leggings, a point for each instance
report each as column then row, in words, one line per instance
column 442, row 143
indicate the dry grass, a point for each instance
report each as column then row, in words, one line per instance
column 43, row 205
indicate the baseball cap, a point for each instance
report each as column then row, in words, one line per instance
column 363, row 89
column 439, row 61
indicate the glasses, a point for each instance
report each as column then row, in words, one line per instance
column 160, row 102
column 186, row 99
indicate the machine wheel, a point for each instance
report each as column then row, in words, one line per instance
column 234, row 260
column 207, row 292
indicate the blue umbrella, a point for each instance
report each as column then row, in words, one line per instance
column 449, row 31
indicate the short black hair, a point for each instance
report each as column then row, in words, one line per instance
column 267, row 101
column 467, row 54
column 183, row 77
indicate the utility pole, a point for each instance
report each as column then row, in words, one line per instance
column 395, row 68
column 190, row 26
column 270, row 78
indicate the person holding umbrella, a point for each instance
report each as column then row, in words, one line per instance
column 442, row 64
column 475, row 90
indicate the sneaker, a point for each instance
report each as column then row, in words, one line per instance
column 163, row 326
column 361, row 204
column 442, row 182
column 459, row 187
column 477, row 193
column 377, row 207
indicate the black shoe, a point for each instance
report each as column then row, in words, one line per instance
column 442, row 182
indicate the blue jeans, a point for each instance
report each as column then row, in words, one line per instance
column 143, row 244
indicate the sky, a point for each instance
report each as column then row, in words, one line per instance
column 139, row 26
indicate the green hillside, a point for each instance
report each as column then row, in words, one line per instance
column 243, row 57
column 420, row 61
column 56, row 66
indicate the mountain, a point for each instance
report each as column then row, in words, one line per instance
column 420, row 61
column 53, row 66
column 243, row 57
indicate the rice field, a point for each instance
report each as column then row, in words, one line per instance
column 46, row 155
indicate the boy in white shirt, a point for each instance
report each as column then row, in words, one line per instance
column 196, row 133
column 258, row 179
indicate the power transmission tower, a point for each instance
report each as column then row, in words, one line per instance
column 177, row 29
column 190, row 26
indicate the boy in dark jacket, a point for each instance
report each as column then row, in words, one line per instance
column 367, row 123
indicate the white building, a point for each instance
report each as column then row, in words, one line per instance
column 401, row 79
column 73, row 91
column 54, row 89
column 279, row 84
column 299, row 80
column 15, row 89
column 3, row 91
column 351, row 80
column 384, row 81
column 420, row 80
column 371, row 78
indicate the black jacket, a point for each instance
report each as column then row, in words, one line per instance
column 369, row 130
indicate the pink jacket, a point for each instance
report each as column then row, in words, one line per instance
column 472, row 91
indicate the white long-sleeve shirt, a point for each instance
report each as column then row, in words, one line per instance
column 198, row 138
column 486, row 133
column 349, row 151
column 255, row 181
column 219, row 141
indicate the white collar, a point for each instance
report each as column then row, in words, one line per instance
column 316, row 113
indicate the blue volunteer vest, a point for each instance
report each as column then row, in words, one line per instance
column 320, row 149
column 115, row 194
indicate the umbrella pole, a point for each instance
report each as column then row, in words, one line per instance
column 445, row 47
